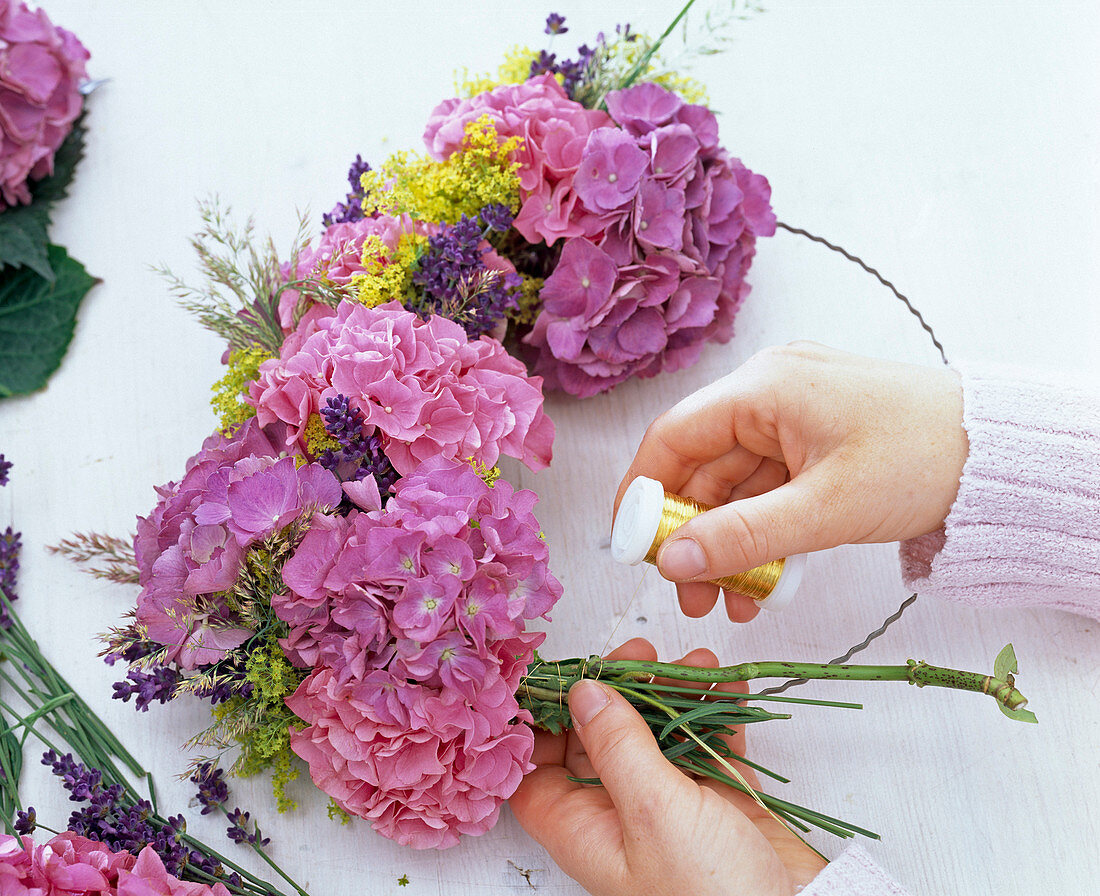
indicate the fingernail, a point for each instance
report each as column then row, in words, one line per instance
column 683, row 559
column 586, row 699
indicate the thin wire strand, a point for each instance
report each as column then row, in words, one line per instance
column 870, row 270
column 852, row 651
column 630, row 603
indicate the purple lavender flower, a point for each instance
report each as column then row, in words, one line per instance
column 26, row 822
column 120, row 826
column 238, row 829
column 359, row 457
column 455, row 281
column 496, row 217
column 159, row 685
column 9, row 569
column 555, row 24
column 351, row 209
column 543, row 64
column 574, row 72
column 5, row 465
column 213, row 792
column 343, row 422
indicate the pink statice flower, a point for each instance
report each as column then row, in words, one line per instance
column 41, row 67
column 413, row 619
column 667, row 223
column 235, row 492
column 69, row 864
column 422, row 386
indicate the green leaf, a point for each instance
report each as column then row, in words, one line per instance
column 23, row 238
column 55, row 187
column 24, row 228
column 1005, row 664
column 37, row 318
column 1003, row 667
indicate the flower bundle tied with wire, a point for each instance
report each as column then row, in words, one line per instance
column 341, row 571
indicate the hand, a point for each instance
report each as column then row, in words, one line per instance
column 650, row 829
column 805, row 448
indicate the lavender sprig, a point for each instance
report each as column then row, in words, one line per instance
column 351, row 209
column 454, row 280
column 359, row 456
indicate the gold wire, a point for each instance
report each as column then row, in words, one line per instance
column 756, row 583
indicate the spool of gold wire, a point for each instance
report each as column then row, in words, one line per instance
column 648, row 515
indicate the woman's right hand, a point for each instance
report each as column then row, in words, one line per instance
column 805, row 448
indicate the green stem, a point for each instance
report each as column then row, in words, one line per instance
column 640, row 66
column 919, row 673
column 259, row 850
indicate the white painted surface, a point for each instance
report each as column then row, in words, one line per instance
column 952, row 145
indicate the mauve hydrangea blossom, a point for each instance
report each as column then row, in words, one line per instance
column 670, row 222
column 641, row 192
column 68, row 864
column 235, row 493
column 413, row 621
column 41, row 67
column 427, row 389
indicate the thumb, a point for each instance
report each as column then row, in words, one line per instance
column 795, row 518
column 622, row 749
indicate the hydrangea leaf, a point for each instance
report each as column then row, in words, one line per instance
column 37, row 318
column 24, row 229
column 23, row 239
column 55, row 187
column 1004, row 667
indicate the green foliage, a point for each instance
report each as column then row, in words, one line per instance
column 265, row 743
column 37, row 318
column 24, row 238
column 244, row 281
column 552, row 717
column 1004, row 668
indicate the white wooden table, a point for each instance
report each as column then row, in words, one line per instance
column 952, row 145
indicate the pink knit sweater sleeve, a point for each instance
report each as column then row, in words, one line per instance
column 1023, row 531
column 852, row 874
column 1025, row 527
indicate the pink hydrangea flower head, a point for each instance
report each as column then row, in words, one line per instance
column 423, row 386
column 581, row 283
column 41, row 68
column 69, row 864
column 610, row 170
column 642, row 108
column 442, row 770
column 412, row 618
column 449, row 556
column 675, row 243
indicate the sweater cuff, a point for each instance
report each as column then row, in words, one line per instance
column 1025, row 527
column 852, row 874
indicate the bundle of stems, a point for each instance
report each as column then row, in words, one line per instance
column 692, row 725
column 47, row 697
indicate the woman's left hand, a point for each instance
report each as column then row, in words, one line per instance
column 650, row 829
